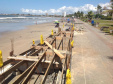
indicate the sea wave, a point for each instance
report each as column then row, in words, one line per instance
column 18, row 17
column 18, row 23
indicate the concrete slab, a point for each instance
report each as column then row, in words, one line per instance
column 92, row 58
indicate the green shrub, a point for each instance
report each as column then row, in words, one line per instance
column 98, row 16
column 106, row 17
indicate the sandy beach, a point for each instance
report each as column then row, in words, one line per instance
column 23, row 38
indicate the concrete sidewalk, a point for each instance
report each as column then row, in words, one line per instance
column 92, row 59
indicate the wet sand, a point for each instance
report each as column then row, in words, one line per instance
column 23, row 38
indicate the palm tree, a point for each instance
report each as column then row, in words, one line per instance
column 99, row 8
column 82, row 13
column 110, row 11
column 111, row 1
column 90, row 15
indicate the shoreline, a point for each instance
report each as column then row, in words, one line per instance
column 25, row 27
column 23, row 38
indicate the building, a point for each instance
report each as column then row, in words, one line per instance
column 64, row 14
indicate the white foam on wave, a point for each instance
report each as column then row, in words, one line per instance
column 21, row 17
column 3, row 18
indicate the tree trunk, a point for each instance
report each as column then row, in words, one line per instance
column 112, row 15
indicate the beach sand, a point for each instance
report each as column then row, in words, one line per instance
column 23, row 38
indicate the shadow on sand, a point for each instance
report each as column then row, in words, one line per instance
column 110, row 57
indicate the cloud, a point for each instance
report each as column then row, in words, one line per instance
column 107, row 5
column 33, row 11
column 104, row 5
column 68, row 10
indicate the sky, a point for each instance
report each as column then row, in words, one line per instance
column 49, row 6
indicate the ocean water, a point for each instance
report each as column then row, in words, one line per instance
column 13, row 23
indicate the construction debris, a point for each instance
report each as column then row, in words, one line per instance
column 44, row 63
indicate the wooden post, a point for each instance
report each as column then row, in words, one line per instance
column 59, row 29
column 55, row 43
column 56, row 51
column 62, row 43
column 12, row 47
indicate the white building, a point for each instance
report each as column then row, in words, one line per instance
column 64, row 14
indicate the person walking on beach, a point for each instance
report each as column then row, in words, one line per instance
column 57, row 23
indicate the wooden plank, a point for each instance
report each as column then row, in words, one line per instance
column 21, row 77
column 38, row 47
column 36, row 52
column 47, row 71
column 27, row 59
column 63, row 69
column 69, row 46
column 24, row 58
column 69, row 55
column 55, row 43
column 60, row 76
column 49, row 67
column 27, row 78
column 46, row 61
column 9, row 71
column 68, row 34
column 56, row 51
column 59, row 30
column 23, row 53
column 50, row 52
column 57, row 34
column 64, row 52
column 55, row 65
column 60, row 43
column 58, row 37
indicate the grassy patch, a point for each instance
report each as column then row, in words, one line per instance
column 84, row 19
column 107, row 23
column 104, row 21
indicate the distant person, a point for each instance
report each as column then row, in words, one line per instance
column 92, row 22
column 74, row 19
column 68, row 20
column 57, row 23
column 36, row 22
